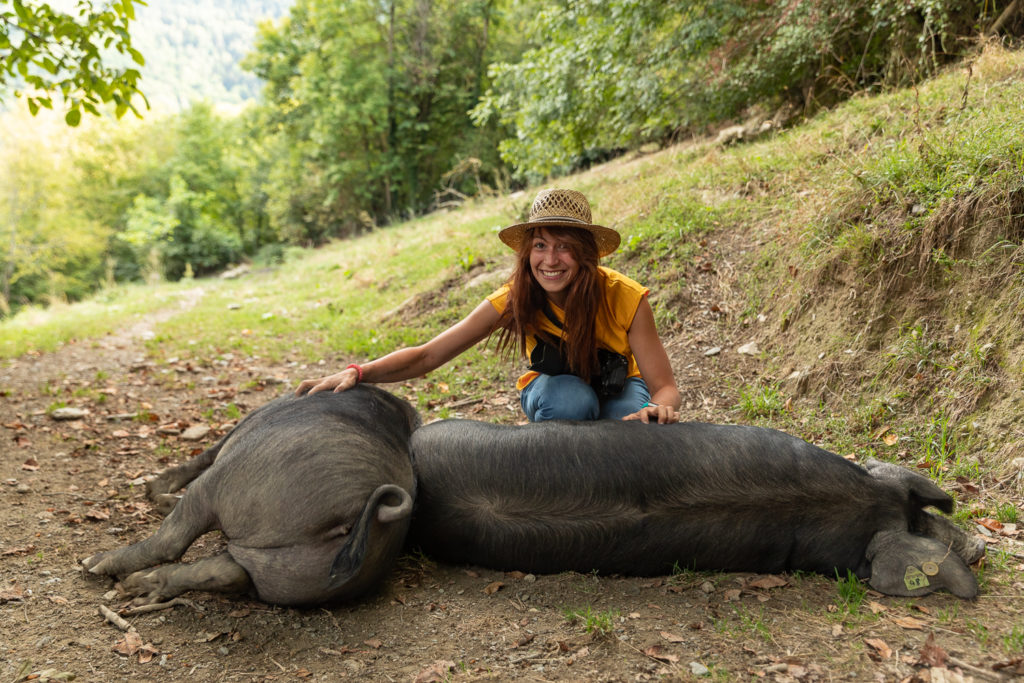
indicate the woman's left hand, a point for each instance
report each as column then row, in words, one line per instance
column 660, row 414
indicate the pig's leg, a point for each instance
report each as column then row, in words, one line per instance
column 219, row 573
column 189, row 520
column 174, row 478
column 903, row 563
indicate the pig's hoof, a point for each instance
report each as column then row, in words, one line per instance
column 157, row 485
column 165, row 502
column 146, row 587
column 98, row 564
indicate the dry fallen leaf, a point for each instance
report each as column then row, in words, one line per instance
column 989, row 523
column 30, row 465
column 98, row 515
column 877, row 607
column 879, row 647
column 525, row 640
column 375, row 643
column 492, row 588
column 657, row 652
column 438, row 671
column 768, row 581
column 1014, row 667
column 671, row 637
column 129, row 644
column 146, row 653
column 932, row 655
column 909, row 623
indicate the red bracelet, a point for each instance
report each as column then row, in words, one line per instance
column 359, row 371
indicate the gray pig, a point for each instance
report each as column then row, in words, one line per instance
column 636, row 499
column 314, row 495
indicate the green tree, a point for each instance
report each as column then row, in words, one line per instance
column 190, row 215
column 366, row 102
column 49, row 249
column 611, row 74
column 45, row 51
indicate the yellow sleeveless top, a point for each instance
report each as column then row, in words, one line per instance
column 622, row 296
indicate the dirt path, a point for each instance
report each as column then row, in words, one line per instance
column 71, row 488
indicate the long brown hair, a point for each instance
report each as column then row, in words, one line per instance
column 526, row 300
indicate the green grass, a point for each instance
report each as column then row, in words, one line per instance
column 597, row 623
column 761, row 401
column 851, row 594
column 36, row 329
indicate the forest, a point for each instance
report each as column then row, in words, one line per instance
column 371, row 112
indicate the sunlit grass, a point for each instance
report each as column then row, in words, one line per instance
column 38, row 329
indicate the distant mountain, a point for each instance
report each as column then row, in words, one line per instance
column 193, row 48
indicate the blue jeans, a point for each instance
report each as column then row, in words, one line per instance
column 567, row 397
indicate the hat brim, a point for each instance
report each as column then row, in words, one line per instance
column 607, row 239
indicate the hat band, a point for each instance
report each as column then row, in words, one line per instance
column 570, row 219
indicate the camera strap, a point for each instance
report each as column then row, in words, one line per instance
column 609, row 362
column 550, row 313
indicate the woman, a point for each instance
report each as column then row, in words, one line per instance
column 587, row 330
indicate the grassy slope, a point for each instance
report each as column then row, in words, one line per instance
column 881, row 263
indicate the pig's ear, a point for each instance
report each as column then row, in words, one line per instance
column 388, row 503
column 919, row 487
column 906, row 564
column 395, row 503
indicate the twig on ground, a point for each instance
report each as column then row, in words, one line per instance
column 976, row 670
column 157, row 606
column 111, row 616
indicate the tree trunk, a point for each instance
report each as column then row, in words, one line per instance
column 1005, row 17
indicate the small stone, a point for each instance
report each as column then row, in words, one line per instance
column 713, row 351
column 698, row 669
column 69, row 413
column 749, row 349
column 195, row 433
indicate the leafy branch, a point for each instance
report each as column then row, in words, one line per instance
column 44, row 51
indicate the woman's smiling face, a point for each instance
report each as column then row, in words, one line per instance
column 553, row 265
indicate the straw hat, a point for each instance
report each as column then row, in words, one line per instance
column 562, row 209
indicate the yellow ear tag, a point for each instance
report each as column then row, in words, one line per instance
column 930, row 568
column 914, row 578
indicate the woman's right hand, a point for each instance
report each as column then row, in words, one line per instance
column 339, row 381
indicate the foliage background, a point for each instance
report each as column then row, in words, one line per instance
column 371, row 112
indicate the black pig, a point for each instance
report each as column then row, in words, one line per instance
column 314, row 495
column 636, row 499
